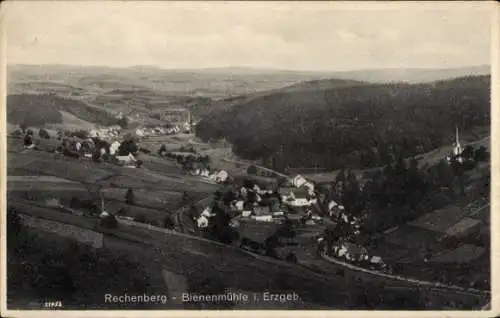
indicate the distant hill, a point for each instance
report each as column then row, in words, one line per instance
column 355, row 124
column 415, row 75
column 216, row 82
column 146, row 90
column 40, row 109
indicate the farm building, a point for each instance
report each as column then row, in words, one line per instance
column 126, row 160
column 114, row 148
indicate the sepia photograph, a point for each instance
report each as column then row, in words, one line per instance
column 187, row 156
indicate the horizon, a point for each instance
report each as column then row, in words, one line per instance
column 260, row 35
column 246, row 68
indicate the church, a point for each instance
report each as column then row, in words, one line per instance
column 458, row 149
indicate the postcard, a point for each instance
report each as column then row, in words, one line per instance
column 239, row 158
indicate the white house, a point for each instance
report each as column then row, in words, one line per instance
column 207, row 212
column 213, row 176
column 114, row 148
column 299, row 199
column 94, row 133
column 263, row 218
column 239, row 205
column 202, row 222
column 298, row 181
column 139, row 132
column 221, row 176
column 126, row 159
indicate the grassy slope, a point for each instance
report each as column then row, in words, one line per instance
column 38, row 110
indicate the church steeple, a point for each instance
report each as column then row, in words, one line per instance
column 457, row 150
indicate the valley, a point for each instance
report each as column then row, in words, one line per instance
column 284, row 125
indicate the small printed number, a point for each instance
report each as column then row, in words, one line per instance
column 53, row 304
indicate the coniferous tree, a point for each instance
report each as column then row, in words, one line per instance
column 130, row 197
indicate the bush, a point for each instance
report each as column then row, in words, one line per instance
column 23, row 127
column 123, row 122
column 481, row 154
column 163, row 149
column 168, row 223
column 14, row 225
column 130, row 197
column 139, row 163
column 74, row 203
column 44, row 134
column 128, row 146
column 17, row 133
column 109, row 222
column 252, row 170
column 122, row 212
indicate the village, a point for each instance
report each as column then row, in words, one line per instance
column 274, row 216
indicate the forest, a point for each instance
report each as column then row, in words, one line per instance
column 352, row 126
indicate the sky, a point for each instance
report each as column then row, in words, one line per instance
column 319, row 36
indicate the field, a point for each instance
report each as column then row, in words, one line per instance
column 158, row 187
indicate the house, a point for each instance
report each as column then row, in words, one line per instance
column 139, row 132
column 202, row 222
column 126, row 160
column 298, row 181
column 246, row 213
column 221, row 176
column 299, row 198
column 264, row 218
column 213, row 176
column 310, row 187
column 94, row 133
column 239, row 205
column 207, row 212
column 114, row 147
column 350, row 251
column 204, row 172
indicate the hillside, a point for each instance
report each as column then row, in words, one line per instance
column 414, row 75
column 354, row 125
column 41, row 109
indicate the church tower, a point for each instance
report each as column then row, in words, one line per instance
column 458, row 147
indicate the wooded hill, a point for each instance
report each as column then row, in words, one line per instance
column 358, row 125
